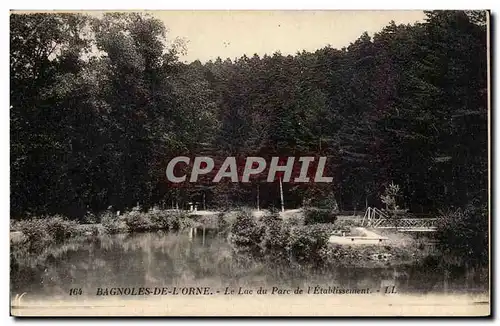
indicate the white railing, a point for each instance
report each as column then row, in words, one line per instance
column 376, row 218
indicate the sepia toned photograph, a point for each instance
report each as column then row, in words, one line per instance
column 250, row 163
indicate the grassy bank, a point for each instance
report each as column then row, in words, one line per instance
column 302, row 240
column 299, row 239
column 245, row 250
column 39, row 232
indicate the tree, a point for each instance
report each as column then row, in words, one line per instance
column 100, row 105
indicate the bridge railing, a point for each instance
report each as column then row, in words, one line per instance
column 372, row 215
column 405, row 223
column 376, row 218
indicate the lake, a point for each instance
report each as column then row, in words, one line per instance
column 179, row 259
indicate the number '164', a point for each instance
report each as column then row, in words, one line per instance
column 76, row 291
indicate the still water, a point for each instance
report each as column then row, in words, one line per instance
column 178, row 259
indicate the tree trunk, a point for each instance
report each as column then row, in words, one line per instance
column 258, row 198
column 281, row 194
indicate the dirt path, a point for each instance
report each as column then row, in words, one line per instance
column 369, row 233
column 399, row 239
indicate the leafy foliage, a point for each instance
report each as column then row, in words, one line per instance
column 308, row 244
column 389, row 197
column 463, row 234
column 138, row 221
column 153, row 220
column 281, row 241
column 112, row 224
column 100, row 105
column 315, row 215
column 42, row 231
column 276, row 238
column 246, row 234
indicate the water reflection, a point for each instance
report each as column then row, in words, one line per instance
column 193, row 259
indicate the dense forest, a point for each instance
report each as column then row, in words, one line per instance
column 99, row 106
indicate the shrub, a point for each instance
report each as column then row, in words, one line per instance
column 463, row 234
column 90, row 218
column 246, row 233
column 112, row 224
column 278, row 240
column 320, row 198
column 275, row 238
column 138, row 221
column 316, row 215
column 180, row 221
column 60, row 229
column 391, row 193
column 14, row 225
column 295, row 220
column 42, row 231
column 160, row 220
column 345, row 224
column 90, row 230
column 35, row 233
column 222, row 224
column 308, row 243
column 165, row 220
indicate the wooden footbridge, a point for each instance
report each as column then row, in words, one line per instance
column 375, row 218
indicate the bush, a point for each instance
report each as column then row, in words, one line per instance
column 41, row 232
column 154, row 220
column 14, row 225
column 320, row 198
column 222, row 224
column 90, row 230
column 345, row 224
column 60, row 229
column 158, row 220
column 34, row 232
column 275, row 242
column 138, row 221
column 281, row 241
column 308, row 243
column 463, row 234
column 112, row 224
column 295, row 220
column 246, row 234
column 90, row 218
column 316, row 215
column 180, row 221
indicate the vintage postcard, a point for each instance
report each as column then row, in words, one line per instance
column 250, row 163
